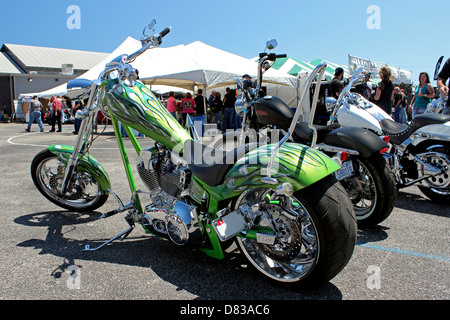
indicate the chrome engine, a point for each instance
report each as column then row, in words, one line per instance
column 167, row 216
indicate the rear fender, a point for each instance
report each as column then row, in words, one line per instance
column 365, row 142
column 86, row 163
column 297, row 164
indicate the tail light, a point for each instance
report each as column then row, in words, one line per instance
column 340, row 157
column 343, row 156
column 387, row 140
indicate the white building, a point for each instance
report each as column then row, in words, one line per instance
column 26, row 69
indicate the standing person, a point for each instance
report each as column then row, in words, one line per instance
column 217, row 109
column 422, row 96
column 384, row 94
column 172, row 104
column 200, row 103
column 442, row 79
column 200, row 109
column 56, row 111
column 188, row 105
column 399, row 106
column 237, row 118
column 335, row 88
column 35, row 114
column 78, row 106
column 211, row 97
column 228, row 109
column 210, row 103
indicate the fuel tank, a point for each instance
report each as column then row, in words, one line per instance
column 273, row 111
column 138, row 108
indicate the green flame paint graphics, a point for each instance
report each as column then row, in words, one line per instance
column 86, row 163
column 295, row 163
column 138, row 108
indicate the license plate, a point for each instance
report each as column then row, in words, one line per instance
column 229, row 225
column 345, row 171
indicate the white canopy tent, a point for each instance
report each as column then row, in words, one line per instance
column 189, row 66
column 202, row 64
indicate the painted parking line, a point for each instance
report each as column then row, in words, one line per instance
column 10, row 141
column 411, row 253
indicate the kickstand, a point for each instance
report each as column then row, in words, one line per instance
column 122, row 235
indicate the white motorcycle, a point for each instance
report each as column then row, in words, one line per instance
column 419, row 152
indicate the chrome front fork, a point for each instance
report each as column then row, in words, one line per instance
column 82, row 139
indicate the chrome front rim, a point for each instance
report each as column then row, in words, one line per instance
column 295, row 251
column 82, row 192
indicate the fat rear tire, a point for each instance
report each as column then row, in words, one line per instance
column 331, row 214
column 335, row 220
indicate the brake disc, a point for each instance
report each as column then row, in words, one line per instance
column 74, row 193
column 288, row 241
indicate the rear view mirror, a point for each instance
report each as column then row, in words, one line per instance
column 150, row 27
column 271, row 44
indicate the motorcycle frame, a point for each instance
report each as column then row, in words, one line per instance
column 81, row 147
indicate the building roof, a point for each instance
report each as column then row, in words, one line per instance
column 8, row 66
column 32, row 57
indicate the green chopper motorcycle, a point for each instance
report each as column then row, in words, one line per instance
column 280, row 202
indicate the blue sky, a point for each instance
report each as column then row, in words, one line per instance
column 413, row 34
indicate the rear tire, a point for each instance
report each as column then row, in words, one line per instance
column 373, row 190
column 314, row 248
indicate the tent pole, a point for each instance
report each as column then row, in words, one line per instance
column 204, row 102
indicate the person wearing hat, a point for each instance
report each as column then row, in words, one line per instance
column 335, row 88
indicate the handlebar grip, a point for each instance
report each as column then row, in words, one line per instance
column 281, row 56
column 165, row 32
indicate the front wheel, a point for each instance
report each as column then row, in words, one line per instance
column 84, row 192
column 315, row 234
column 372, row 190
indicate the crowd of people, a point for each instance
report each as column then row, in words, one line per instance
column 392, row 99
column 215, row 109
column 55, row 117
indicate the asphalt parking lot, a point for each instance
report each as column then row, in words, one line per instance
column 406, row 257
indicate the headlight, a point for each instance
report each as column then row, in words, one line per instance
column 240, row 107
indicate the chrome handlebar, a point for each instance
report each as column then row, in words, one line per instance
column 121, row 63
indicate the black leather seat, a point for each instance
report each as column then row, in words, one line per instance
column 303, row 131
column 398, row 133
column 211, row 165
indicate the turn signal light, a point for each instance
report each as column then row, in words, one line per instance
column 384, row 150
column 386, row 139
